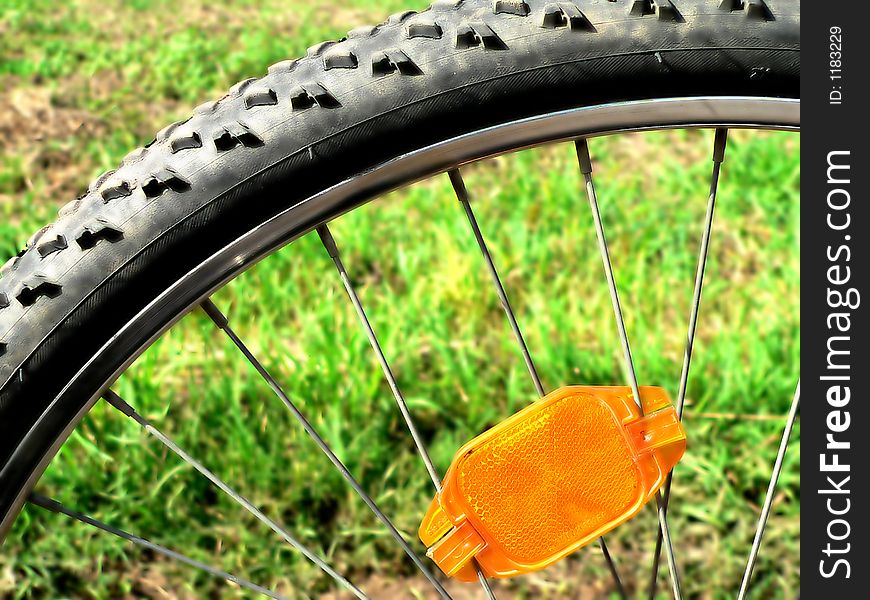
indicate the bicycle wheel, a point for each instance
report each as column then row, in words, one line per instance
column 282, row 155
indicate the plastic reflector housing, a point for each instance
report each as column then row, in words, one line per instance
column 550, row 479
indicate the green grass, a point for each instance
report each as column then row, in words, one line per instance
column 124, row 71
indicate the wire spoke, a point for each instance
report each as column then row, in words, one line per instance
column 56, row 507
column 719, row 143
column 463, row 197
column 771, row 489
column 611, row 564
column 332, row 249
column 223, row 324
column 119, row 403
column 586, row 168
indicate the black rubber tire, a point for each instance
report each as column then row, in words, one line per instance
column 347, row 107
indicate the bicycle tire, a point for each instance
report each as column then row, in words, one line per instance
column 348, row 107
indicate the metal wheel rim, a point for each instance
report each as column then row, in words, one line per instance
column 228, row 263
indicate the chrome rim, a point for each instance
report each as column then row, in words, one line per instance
column 194, row 289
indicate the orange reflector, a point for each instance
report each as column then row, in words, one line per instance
column 550, row 479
